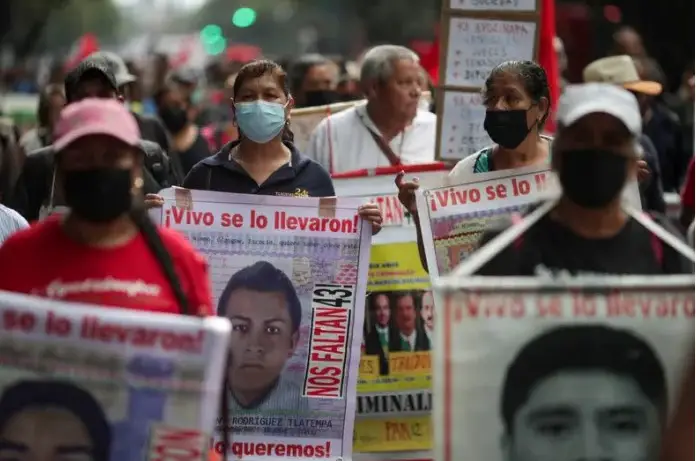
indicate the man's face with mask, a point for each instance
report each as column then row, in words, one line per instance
column 319, row 85
column 594, row 157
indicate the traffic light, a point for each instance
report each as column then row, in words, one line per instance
column 211, row 33
column 214, row 43
column 244, row 17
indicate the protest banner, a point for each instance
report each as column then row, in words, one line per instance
column 569, row 368
column 88, row 382
column 454, row 217
column 477, row 36
column 291, row 275
column 304, row 120
column 394, row 397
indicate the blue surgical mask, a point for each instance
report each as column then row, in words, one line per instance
column 260, row 121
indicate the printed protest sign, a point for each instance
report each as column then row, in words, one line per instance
column 394, row 397
column 290, row 273
column 577, row 368
column 88, row 382
column 454, row 217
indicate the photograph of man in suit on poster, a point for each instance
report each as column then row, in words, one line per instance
column 408, row 336
column 584, row 392
column 377, row 337
column 427, row 312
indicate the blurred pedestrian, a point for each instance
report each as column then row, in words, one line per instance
column 621, row 71
column 51, row 102
column 313, row 81
column 588, row 232
column 223, row 131
column 664, row 129
column 390, row 129
column 627, row 40
column 105, row 245
column 150, row 127
column 36, row 195
column 188, row 147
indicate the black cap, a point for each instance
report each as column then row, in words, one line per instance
column 90, row 65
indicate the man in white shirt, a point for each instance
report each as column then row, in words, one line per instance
column 390, row 129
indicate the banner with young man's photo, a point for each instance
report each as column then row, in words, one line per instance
column 394, row 396
column 94, row 383
column 573, row 368
column 290, row 274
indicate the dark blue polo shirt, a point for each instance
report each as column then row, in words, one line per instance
column 301, row 177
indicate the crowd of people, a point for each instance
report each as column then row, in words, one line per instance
column 102, row 151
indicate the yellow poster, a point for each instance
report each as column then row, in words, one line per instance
column 394, row 397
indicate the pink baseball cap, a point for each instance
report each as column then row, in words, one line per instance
column 93, row 116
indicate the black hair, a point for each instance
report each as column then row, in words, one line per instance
column 263, row 277
column 300, row 68
column 256, row 69
column 533, row 78
column 373, row 299
column 44, row 104
column 91, row 68
column 65, row 395
column 582, row 347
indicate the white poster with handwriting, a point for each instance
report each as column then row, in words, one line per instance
column 476, row 46
column 462, row 132
column 517, row 6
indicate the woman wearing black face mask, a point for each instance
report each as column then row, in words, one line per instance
column 516, row 95
column 595, row 153
column 188, row 146
column 105, row 250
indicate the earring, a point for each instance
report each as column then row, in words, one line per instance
column 138, row 184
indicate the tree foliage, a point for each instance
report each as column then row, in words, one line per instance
column 48, row 25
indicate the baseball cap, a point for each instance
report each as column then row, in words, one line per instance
column 88, row 65
column 591, row 98
column 118, row 67
column 619, row 70
column 95, row 116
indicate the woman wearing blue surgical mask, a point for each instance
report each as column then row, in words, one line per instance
column 264, row 159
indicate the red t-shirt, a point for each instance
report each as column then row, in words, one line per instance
column 43, row 261
column 687, row 192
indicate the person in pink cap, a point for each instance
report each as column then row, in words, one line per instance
column 105, row 250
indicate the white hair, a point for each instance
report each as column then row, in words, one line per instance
column 378, row 62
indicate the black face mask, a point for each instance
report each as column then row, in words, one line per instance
column 174, row 118
column 507, row 128
column 592, row 178
column 321, row 98
column 99, row 195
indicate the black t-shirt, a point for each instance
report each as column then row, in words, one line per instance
column 188, row 158
column 549, row 247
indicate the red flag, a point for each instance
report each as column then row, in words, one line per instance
column 547, row 56
column 429, row 54
column 85, row 45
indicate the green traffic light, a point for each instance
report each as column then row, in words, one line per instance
column 211, row 33
column 244, row 17
column 217, row 47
